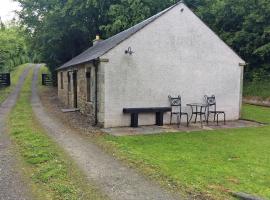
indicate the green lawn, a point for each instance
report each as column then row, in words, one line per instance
column 51, row 172
column 210, row 163
column 15, row 75
column 257, row 113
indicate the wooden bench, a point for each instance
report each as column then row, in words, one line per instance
column 135, row 114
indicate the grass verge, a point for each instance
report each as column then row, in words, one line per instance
column 15, row 75
column 257, row 113
column 258, row 89
column 210, row 164
column 52, row 173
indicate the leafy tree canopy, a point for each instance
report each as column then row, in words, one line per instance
column 60, row 29
column 13, row 47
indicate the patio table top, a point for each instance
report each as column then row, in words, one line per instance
column 197, row 104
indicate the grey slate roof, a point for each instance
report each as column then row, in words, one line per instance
column 103, row 47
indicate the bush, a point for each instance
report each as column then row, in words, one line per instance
column 257, row 88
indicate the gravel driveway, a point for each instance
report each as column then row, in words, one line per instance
column 113, row 178
column 12, row 185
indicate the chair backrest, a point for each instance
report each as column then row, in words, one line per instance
column 210, row 101
column 175, row 102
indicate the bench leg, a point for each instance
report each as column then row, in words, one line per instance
column 159, row 118
column 134, row 120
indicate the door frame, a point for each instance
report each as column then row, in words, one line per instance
column 75, row 88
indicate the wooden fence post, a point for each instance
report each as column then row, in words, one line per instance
column 5, row 80
column 43, row 79
column 8, row 79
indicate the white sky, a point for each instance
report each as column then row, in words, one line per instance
column 7, row 8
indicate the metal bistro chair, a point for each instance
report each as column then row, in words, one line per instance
column 211, row 102
column 176, row 106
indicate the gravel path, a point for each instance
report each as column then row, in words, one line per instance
column 11, row 184
column 117, row 181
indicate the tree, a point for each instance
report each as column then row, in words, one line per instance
column 124, row 15
column 13, row 47
column 58, row 30
column 245, row 26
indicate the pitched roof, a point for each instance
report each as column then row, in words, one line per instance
column 103, row 47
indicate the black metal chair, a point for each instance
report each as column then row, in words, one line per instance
column 176, row 106
column 211, row 102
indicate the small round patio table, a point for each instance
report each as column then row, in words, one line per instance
column 198, row 109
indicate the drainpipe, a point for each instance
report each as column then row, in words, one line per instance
column 96, row 63
column 242, row 65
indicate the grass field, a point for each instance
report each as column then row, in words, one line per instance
column 209, row 163
column 15, row 75
column 51, row 172
column 258, row 89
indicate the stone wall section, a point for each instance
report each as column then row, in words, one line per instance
column 63, row 92
column 86, row 107
column 67, row 97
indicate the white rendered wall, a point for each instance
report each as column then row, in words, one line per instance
column 176, row 54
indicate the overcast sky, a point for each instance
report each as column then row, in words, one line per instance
column 7, row 8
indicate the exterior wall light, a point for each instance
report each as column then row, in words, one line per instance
column 129, row 51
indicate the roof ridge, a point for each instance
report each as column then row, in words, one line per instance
column 104, row 46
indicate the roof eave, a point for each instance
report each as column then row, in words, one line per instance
column 74, row 65
column 161, row 14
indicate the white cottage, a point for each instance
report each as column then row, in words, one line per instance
column 171, row 53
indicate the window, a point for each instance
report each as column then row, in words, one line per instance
column 62, row 81
column 88, row 85
column 69, row 86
